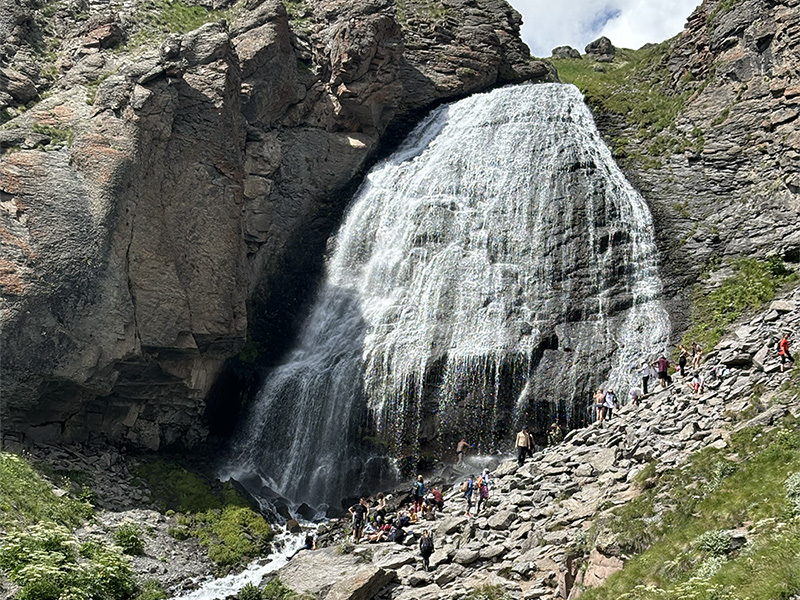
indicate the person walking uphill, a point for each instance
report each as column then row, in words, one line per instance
column 783, row 351
column 662, row 364
column 523, row 445
column 426, row 549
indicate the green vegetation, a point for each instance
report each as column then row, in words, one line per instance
column 723, row 7
column 57, row 135
column 249, row 592
column 723, row 526
column 215, row 514
column 47, row 562
column 231, row 535
column 151, row 590
column 488, row 592
column 160, row 17
column 276, row 590
column 128, row 537
column 38, row 550
column 753, row 283
column 421, row 9
column 174, row 488
column 28, row 498
column 630, row 86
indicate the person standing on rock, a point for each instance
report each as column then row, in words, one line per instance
column 461, row 448
column 419, row 494
column 360, row 513
column 644, row 372
column 468, row 487
column 662, row 365
column 483, row 493
column 523, row 445
column 555, row 435
column 682, row 358
column 697, row 356
column 783, row 351
column 426, row 549
column 610, row 403
column 599, row 405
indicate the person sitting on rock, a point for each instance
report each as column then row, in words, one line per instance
column 697, row 383
column 636, row 396
column 426, row 549
column 555, row 435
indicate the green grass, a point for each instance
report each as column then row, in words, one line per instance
column 690, row 555
column 753, row 284
column 631, row 86
column 57, row 135
column 161, row 17
column 215, row 514
column 488, row 592
column 173, row 487
column 28, row 498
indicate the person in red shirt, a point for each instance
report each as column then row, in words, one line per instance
column 783, row 350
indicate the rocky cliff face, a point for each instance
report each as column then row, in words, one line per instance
column 160, row 190
column 733, row 189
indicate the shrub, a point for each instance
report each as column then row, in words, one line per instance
column 128, row 538
column 249, row 592
column 714, row 543
column 48, row 564
column 488, row 592
column 793, row 492
column 151, row 590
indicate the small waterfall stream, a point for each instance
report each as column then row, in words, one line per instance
column 490, row 272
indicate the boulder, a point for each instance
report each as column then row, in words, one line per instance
column 466, row 556
column 565, row 52
column 364, row 584
column 502, row 520
column 601, row 50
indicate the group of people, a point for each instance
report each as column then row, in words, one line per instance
column 374, row 525
column 525, row 444
column 481, row 486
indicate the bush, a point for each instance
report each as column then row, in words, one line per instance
column 488, row 592
column 249, row 592
column 151, row 590
column 276, row 590
column 48, row 564
column 714, row 543
column 127, row 537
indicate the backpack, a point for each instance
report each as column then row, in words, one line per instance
column 426, row 545
column 480, row 483
column 465, row 486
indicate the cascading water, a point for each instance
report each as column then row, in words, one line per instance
column 490, row 272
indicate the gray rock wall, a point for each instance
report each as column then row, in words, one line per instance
column 161, row 197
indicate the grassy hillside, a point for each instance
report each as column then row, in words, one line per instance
column 725, row 526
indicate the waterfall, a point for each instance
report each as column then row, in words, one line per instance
column 490, row 272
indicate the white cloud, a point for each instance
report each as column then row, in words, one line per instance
column 627, row 23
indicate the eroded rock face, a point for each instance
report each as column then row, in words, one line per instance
column 735, row 191
column 155, row 193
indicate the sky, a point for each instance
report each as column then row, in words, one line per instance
column 627, row 23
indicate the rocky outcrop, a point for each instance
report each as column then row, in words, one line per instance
column 730, row 187
column 601, row 50
column 565, row 52
column 164, row 198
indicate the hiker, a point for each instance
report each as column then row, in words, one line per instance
column 697, row 383
column 555, row 435
column 467, row 487
column 644, row 372
column 636, row 396
column 662, row 365
column 461, row 448
column 783, row 351
column 380, row 512
column 682, row 357
column 360, row 513
column 483, row 493
column 599, row 405
column 419, row 493
column 697, row 355
column 438, row 500
column 426, row 549
column 523, row 445
column 308, row 544
column 610, row 403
